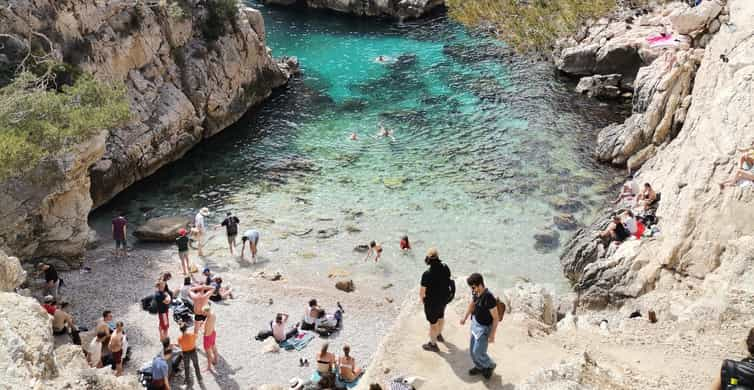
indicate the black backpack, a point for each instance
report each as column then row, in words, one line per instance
column 451, row 285
column 149, row 304
column 738, row 375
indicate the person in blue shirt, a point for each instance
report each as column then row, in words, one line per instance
column 160, row 370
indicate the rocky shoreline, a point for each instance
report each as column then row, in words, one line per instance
column 401, row 10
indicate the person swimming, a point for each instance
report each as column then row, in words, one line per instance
column 353, row 137
column 382, row 59
column 384, row 133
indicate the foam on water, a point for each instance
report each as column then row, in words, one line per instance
column 487, row 147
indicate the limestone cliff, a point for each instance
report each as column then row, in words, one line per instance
column 398, row 9
column 704, row 249
column 188, row 75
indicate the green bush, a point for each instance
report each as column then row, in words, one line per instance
column 221, row 14
column 36, row 122
column 532, row 25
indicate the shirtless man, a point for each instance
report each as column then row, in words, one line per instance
column 116, row 348
column 62, row 322
column 210, row 336
column 200, row 296
column 375, row 248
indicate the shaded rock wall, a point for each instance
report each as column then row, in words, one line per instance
column 183, row 85
column 399, row 9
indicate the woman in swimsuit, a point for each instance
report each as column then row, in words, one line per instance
column 347, row 366
column 646, row 198
column 376, row 248
column 405, row 244
column 325, row 360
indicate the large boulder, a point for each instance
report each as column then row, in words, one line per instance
column 693, row 19
column 582, row 372
column 532, row 300
column 11, row 273
column 601, row 86
column 163, row 229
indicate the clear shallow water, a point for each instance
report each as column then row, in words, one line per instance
column 488, row 148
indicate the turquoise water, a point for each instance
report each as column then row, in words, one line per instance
column 487, row 148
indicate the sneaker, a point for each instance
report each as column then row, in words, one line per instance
column 474, row 371
column 487, row 372
column 431, row 347
column 440, row 338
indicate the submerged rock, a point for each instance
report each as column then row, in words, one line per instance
column 565, row 222
column 163, row 229
column 547, row 241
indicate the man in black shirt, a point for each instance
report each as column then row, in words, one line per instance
column 231, row 228
column 434, row 293
column 183, row 249
column 484, row 320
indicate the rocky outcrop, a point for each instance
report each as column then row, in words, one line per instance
column 704, row 243
column 45, row 211
column 188, row 77
column 618, row 58
column 582, row 372
column 28, row 359
column 11, row 273
column 161, row 229
column 398, row 9
column 533, row 301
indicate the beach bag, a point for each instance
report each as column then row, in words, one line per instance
column 738, row 375
column 148, row 304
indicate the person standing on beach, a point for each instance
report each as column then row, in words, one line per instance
column 252, row 236
column 434, row 294
column 116, row 348
column 200, row 297
column 119, row 234
column 210, row 338
column 187, row 341
column 183, row 249
column 162, row 299
column 231, row 228
column 200, row 229
column 484, row 320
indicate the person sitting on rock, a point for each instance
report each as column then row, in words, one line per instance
column 615, row 231
column 646, row 198
column 627, row 195
column 729, row 376
column 736, row 177
column 347, row 368
column 746, row 161
column 62, row 322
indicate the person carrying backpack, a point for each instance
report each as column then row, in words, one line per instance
column 483, row 310
column 737, row 375
column 437, row 290
column 231, row 228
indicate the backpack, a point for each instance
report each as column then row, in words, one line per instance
column 500, row 309
column 149, row 304
column 232, row 226
column 737, row 375
column 451, row 285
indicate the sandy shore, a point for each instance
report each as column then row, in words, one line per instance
column 119, row 284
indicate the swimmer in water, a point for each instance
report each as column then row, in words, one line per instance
column 384, row 133
column 382, row 59
column 353, row 137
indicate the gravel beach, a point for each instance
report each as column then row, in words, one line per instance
column 119, row 284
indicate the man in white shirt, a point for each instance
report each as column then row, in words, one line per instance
column 278, row 328
column 629, row 222
column 200, row 228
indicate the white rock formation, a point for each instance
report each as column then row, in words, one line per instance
column 11, row 273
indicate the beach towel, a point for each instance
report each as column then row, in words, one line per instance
column 298, row 342
column 663, row 41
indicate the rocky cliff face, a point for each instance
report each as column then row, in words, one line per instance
column 705, row 244
column 623, row 53
column 188, row 77
column 398, row 9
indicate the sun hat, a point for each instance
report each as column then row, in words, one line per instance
column 204, row 211
column 432, row 253
column 49, row 298
column 182, row 232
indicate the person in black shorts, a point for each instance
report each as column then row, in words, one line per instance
column 52, row 280
column 231, row 228
column 434, row 294
column 615, row 231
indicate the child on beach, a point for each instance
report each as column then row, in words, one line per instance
column 405, row 244
column 375, row 248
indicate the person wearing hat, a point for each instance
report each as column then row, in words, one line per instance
column 231, row 228
column 435, row 294
column 183, row 247
column 200, row 227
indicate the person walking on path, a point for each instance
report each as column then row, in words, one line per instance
column 252, row 236
column 434, row 295
column 162, row 300
column 116, row 348
column 484, row 320
column 120, row 224
column 187, row 341
column 200, row 229
column 183, row 249
column 210, row 338
column 231, row 228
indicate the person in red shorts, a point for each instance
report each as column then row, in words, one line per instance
column 210, row 338
column 162, row 299
column 116, row 348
